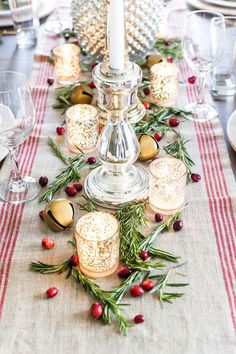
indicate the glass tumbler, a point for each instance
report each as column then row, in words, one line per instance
column 22, row 15
column 167, row 185
column 82, row 128
column 224, row 74
column 67, row 63
column 97, row 236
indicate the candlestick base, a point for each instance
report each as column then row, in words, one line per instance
column 111, row 190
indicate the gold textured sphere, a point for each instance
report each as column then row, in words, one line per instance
column 59, row 214
column 149, row 147
column 81, row 94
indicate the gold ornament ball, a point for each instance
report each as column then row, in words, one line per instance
column 81, row 94
column 59, row 214
column 149, row 147
column 154, row 59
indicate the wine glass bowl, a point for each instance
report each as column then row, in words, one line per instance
column 203, row 47
column 17, row 117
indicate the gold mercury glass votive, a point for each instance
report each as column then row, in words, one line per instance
column 167, row 185
column 67, row 63
column 82, row 127
column 164, row 83
column 97, row 236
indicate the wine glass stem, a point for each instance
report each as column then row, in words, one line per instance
column 200, row 99
column 16, row 183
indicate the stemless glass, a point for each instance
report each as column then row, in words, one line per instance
column 203, row 47
column 17, row 116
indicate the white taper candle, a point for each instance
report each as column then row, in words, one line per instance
column 117, row 34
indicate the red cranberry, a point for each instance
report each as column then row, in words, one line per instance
column 147, row 284
column 124, row 272
column 74, row 260
column 192, row 79
column 147, row 91
column 94, row 64
column 178, row 225
column 195, row 177
column 67, row 36
column 50, row 81
column 92, row 85
column 96, row 310
column 169, row 60
column 91, row 160
column 144, row 255
column 136, row 291
column 147, row 105
column 75, row 42
column 158, row 217
column 43, row 181
column 158, row 136
column 41, row 215
column 51, row 292
column 60, row 130
column 78, row 186
column 167, row 42
column 71, row 191
column 48, row 243
column 174, row 122
column 139, row 319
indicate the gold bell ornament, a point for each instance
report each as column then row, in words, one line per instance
column 154, row 59
column 149, row 147
column 81, row 94
column 59, row 214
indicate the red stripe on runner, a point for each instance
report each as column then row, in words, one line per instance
column 28, row 162
column 216, row 216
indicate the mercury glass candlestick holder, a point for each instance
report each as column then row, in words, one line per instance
column 82, row 128
column 167, row 185
column 164, row 83
column 67, row 63
column 118, row 181
column 97, row 237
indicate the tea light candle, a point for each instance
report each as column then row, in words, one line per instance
column 164, row 82
column 167, row 185
column 97, row 236
column 82, row 127
column 67, row 64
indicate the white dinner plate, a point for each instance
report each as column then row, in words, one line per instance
column 224, row 3
column 42, row 8
column 200, row 5
column 231, row 130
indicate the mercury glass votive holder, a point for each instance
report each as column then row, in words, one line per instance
column 164, row 83
column 167, row 185
column 67, row 63
column 97, row 236
column 82, row 128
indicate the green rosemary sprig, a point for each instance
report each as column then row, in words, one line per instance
column 58, row 151
column 131, row 218
column 156, row 252
column 162, row 283
column 105, row 298
column 177, row 149
column 169, row 47
column 48, row 268
column 157, row 119
column 70, row 174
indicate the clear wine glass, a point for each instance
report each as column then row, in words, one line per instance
column 17, row 117
column 203, row 47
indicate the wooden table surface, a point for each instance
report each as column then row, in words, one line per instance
column 20, row 59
